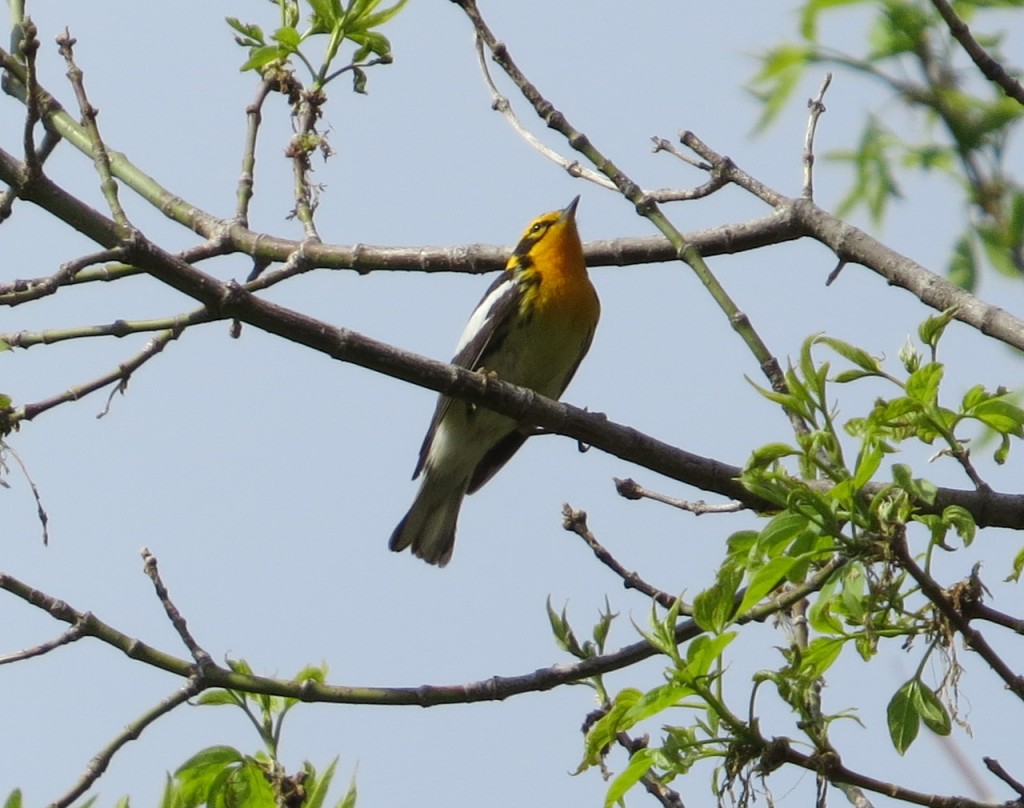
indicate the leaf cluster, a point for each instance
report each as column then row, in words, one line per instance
column 827, row 562
column 356, row 22
column 965, row 131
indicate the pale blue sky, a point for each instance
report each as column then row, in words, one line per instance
column 266, row 478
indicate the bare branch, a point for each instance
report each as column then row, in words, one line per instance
column 201, row 657
column 576, row 522
column 100, row 157
column 131, row 732
column 631, row 489
column 817, row 107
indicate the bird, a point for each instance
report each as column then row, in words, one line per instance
column 532, row 328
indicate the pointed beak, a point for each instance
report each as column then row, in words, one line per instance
column 569, row 211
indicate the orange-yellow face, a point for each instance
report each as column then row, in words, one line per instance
column 551, row 245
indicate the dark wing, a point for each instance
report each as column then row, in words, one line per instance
column 499, row 455
column 485, row 331
column 502, row 451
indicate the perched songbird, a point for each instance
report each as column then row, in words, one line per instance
column 532, row 328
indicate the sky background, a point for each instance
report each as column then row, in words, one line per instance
column 266, row 478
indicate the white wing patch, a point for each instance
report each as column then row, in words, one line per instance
column 483, row 312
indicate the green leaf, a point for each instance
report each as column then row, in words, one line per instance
column 782, row 530
column 918, row 488
column 819, row 655
column 963, row 264
column 962, row 521
column 923, row 383
column 349, row 800
column 781, row 70
column 902, row 717
column 1017, row 568
column 603, row 731
column 217, row 697
column 653, row 702
column 325, row 15
column 318, row 785
column 251, row 32
column 931, row 710
column 13, row 799
column 812, row 10
column 703, row 651
column 288, row 37
column 714, row 607
column 639, row 764
column 765, row 580
column 766, row 455
column 262, row 56
column 932, row 329
column 381, row 17
column 4, row 346
column 1001, row 415
column 858, row 356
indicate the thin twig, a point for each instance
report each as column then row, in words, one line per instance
column 575, row 521
column 71, row 635
column 305, row 140
column 997, row 769
column 18, row 292
column 120, row 375
column 495, row 688
column 95, row 768
column 101, row 159
column 29, row 47
column 254, row 115
column 631, row 489
column 501, row 104
column 201, row 657
column 44, row 519
column 972, row 637
column 817, row 106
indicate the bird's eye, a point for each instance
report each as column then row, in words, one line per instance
column 537, row 227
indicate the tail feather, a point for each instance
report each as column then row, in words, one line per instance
column 429, row 526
